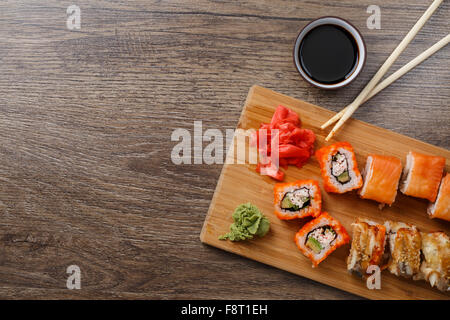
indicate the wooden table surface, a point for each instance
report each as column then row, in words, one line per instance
column 86, row 122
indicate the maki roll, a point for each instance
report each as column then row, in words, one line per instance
column 422, row 175
column 297, row 199
column 339, row 168
column 441, row 208
column 435, row 267
column 381, row 178
column 367, row 246
column 320, row 237
column 404, row 245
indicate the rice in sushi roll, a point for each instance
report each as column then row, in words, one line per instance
column 297, row 199
column 339, row 168
column 435, row 267
column 404, row 246
column 367, row 246
column 381, row 178
column 441, row 208
column 422, row 175
column 320, row 237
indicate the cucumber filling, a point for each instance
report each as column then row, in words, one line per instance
column 296, row 200
column 344, row 177
column 314, row 245
column 320, row 238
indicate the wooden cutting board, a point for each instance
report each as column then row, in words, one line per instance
column 239, row 183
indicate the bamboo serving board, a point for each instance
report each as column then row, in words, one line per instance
column 239, row 183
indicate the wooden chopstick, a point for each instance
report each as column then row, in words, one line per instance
column 396, row 75
column 384, row 68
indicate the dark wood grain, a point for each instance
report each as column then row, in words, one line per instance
column 86, row 118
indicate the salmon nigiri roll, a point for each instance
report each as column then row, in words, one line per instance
column 320, row 237
column 441, row 208
column 339, row 168
column 422, row 175
column 297, row 199
column 381, row 177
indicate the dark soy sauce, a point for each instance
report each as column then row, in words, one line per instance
column 328, row 54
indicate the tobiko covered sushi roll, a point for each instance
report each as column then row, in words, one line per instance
column 339, row 168
column 297, row 199
column 320, row 237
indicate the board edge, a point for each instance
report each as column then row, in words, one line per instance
column 224, row 167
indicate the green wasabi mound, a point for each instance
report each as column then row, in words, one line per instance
column 248, row 222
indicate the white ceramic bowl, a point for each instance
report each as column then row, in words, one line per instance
column 347, row 26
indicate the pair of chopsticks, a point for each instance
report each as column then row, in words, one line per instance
column 372, row 88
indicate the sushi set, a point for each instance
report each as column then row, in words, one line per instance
column 369, row 197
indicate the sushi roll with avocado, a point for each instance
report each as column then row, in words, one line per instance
column 320, row 237
column 297, row 199
column 339, row 168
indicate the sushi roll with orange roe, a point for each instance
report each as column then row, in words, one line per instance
column 441, row 208
column 381, row 177
column 339, row 168
column 320, row 237
column 297, row 199
column 422, row 175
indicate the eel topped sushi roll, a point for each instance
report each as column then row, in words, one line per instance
column 297, row 199
column 405, row 248
column 339, row 168
column 422, row 175
column 367, row 248
column 381, row 178
column 435, row 267
column 320, row 237
column 441, row 208
column 412, row 254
